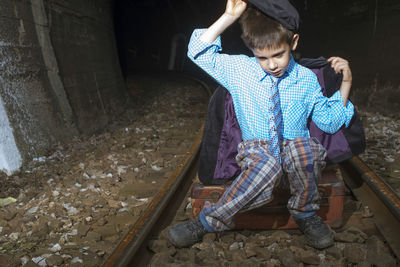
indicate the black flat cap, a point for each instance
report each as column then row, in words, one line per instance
column 280, row 10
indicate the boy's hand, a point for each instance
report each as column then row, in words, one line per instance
column 341, row 65
column 235, row 8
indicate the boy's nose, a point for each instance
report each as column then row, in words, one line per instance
column 272, row 65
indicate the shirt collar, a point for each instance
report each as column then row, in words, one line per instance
column 290, row 73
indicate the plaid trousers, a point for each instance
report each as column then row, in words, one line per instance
column 302, row 162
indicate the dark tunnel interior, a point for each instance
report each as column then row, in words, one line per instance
column 150, row 33
column 364, row 32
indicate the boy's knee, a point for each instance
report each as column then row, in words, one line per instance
column 303, row 152
column 265, row 160
column 302, row 147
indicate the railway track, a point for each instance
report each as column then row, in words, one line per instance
column 365, row 186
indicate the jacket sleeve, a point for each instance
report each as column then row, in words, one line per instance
column 329, row 114
column 222, row 67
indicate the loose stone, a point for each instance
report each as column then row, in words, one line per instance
column 309, row 257
column 55, row 260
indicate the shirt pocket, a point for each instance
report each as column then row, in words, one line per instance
column 296, row 116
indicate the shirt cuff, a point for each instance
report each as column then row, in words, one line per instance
column 348, row 110
column 198, row 47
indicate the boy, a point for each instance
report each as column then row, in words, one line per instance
column 273, row 98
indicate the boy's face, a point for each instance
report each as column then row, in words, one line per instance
column 275, row 60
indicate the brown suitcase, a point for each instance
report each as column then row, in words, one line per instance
column 275, row 215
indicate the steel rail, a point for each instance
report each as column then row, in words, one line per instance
column 375, row 193
column 159, row 214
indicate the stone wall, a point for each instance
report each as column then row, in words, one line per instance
column 60, row 74
column 82, row 35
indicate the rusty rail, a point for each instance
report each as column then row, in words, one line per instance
column 161, row 211
column 373, row 192
column 159, row 214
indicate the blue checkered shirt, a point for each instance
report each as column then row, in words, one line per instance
column 300, row 93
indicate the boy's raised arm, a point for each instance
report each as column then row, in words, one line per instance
column 341, row 65
column 234, row 9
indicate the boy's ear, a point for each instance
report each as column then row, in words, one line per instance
column 295, row 40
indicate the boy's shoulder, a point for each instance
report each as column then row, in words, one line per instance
column 305, row 74
column 304, row 71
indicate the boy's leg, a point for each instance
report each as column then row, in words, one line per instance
column 253, row 187
column 303, row 161
column 260, row 171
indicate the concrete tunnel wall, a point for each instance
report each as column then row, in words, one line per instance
column 60, row 74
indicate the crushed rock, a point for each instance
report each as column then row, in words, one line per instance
column 382, row 152
column 76, row 203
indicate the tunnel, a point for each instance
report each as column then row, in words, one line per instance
column 65, row 63
column 81, row 153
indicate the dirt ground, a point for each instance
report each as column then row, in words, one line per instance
column 75, row 204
